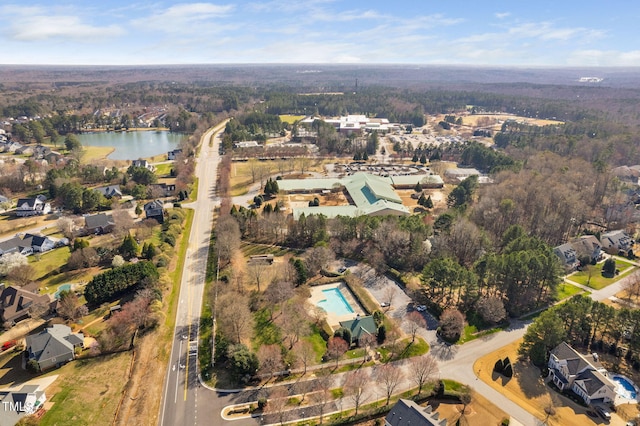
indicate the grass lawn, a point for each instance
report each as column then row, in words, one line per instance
column 527, row 389
column 266, row 332
column 163, row 170
column 92, row 153
column 49, row 262
column 87, row 391
column 471, row 332
column 287, row 118
column 598, row 281
column 566, row 290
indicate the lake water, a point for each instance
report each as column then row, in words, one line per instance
column 133, row 145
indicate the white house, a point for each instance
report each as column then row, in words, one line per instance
column 32, row 206
column 583, row 374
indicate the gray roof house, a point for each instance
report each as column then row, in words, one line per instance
column 171, row 155
column 588, row 245
column 32, row 206
column 110, row 191
column 16, row 245
column 39, row 243
column 154, row 210
column 568, row 256
column 143, row 163
column 408, row 413
column 100, row 223
column 583, row 374
column 17, row 402
column 614, row 241
column 53, row 346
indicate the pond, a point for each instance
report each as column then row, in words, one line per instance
column 133, row 145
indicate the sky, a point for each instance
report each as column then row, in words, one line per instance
column 509, row 33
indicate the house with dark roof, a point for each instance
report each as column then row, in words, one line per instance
column 166, row 189
column 53, row 346
column 360, row 326
column 615, row 241
column 583, row 374
column 172, row 155
column 110, row 191
column 154, row 210
column 16, row 302
column 408, row 413
column 16, row 245
column 100, row 223
column 20, row 401
column 567, row 255
column 39, row 243
column 32, row 206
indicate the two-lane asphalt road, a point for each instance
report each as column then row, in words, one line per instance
column 179, row 400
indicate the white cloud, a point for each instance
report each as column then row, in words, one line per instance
column 183, row 17
column 502, row 15
column 36, row 24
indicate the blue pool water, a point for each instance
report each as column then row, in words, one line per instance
column 63, row 287
column 626, row 389
column 335, row 302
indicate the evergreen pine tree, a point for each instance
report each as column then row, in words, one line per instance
column 428, row 203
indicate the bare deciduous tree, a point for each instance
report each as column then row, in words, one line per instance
column 295, row 321
column 321, row 395
column 304, row 353
column 336, row 347
column 227, row 238
column 415, row 322
column 270, row 358
column 257, row 271
column 632, row 287
column 422, row 369
column 356, row 387
column 389, row 377
column 491, row 309
column 235, row 317
column 66, row 226
column 277, row 404
column 21, row 275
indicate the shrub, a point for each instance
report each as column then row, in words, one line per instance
column 508, row 371
column 382, row 334
column 498, row 367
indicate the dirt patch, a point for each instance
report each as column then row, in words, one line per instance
column 528, row 389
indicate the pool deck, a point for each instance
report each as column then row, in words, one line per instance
column 621, row 399
column 332, row 318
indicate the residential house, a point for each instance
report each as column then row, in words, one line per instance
column 15, row 245
column 12, row 146
column 588, row 245
column 110, row 191
column 408, row 413
column 154, row 210
column 360, row 326
column 568, row 256
column 16, row 302
column 163, row 189
column 172, row 155
column 583, row 374
column 19, row 401
column 53, row 347
column 143, row 163
column 39, row 243
column 53, row 157
column 100, row 223
column 32, row 206
column 616, row 241
column 24, row 150
column 4, row 199
column 39, row 151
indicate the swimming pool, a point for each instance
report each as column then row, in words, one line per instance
column 626, row 388
column 335, row 302
column 63, row 287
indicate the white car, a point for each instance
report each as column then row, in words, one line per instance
column 421, row 308
column 384, row 304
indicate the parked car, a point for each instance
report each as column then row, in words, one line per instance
column 604, row 413
column 421, row 308
column 384, row 304
column 8, row 344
